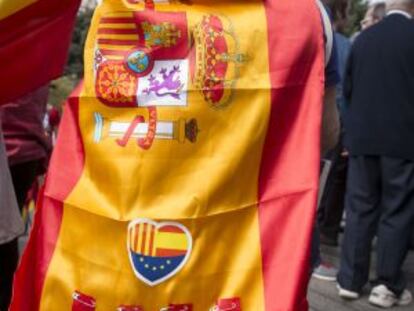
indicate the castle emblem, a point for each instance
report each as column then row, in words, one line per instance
column 160, row 35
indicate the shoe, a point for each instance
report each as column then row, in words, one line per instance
column 347, row 294
column 381, row 296
column 325, row 272
column 405, row 298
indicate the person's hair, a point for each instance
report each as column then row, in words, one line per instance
column 379, row 10
column 339, row 10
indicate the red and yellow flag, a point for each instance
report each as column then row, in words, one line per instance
column 186, row 169
column 34, row 42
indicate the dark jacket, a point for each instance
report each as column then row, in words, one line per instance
column 379, row 90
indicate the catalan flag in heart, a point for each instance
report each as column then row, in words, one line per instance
column 185, row 174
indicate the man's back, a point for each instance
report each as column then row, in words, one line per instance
column 379, row 87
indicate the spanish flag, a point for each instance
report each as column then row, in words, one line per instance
column 34, row 42
column 185, row 174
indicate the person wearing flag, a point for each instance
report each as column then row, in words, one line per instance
column 185, row 173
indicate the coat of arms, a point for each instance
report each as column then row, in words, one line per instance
column 148, row 60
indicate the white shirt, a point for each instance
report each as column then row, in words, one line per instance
column 406, row 14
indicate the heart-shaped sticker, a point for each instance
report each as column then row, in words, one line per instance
column 157, row 251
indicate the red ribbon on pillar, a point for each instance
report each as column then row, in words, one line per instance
column 82, row 302
column 229, row 304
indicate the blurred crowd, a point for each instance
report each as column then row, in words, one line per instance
column 368, row 186
column 27, row 134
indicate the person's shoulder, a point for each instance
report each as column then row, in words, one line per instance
column 395, row 23
column 408, row 24
column 340, row 36
column 342, row 40
column 369, row 34
column 398, row 18
column 392, row 25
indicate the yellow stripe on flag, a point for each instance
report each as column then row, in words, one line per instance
column 154, row 245
column 168, row 240
column 135, row 239
column 140, row 239
column 115, row 57
column 116, row 47
column 117, row 36
column 147, row 240
column 9, row 7
column 119, row 14
column 118, row 26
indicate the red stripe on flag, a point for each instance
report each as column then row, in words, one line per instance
column 172, row 229
column 113, row 52
column 136, row 237
column 29, row 278
column 151, row 242
column 116, row 31
column 289, row 170
column 161, row 252
column 143, row 238
column 130, row 239
column 117, row 42
column 117, row 20
column 31, row 274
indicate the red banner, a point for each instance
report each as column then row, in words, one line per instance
column 34, row 43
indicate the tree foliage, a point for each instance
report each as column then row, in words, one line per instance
column 347, row 14
column 61, row 88
column 357, row 9
column 75, row 61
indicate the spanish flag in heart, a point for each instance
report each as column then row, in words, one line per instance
column 186, row 168
column 34, row 43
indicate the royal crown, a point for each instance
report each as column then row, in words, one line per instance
column 218, row 59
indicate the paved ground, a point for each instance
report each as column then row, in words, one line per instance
column 323, row 295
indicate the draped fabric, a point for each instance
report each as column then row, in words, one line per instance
column 186, row 169
column 34, row 43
